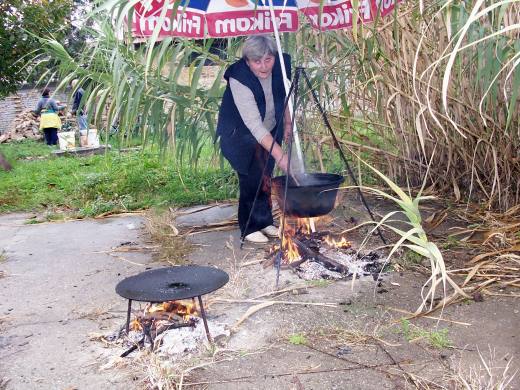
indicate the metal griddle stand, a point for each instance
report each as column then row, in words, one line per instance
column 171, row 284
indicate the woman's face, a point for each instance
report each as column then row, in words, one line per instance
column 262, row 67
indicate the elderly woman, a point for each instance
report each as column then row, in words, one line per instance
column 47, row 108
column 250, row 120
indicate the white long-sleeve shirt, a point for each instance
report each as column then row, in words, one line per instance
column 248, row 109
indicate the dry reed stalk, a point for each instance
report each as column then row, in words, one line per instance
column 410, row 108
column 172, row 246
column 498, row 240
column 489, row 374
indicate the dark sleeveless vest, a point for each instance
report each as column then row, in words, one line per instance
column 236, row 141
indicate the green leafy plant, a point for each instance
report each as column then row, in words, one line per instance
column 436, row 338
column 297, row 339
column 414, row 239
column 399, row 102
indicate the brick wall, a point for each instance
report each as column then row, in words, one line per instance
column 25, row 99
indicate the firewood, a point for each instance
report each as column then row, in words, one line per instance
column 319, row 258
column 23, row 126
column 162, row 315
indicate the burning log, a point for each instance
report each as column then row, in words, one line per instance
column 160, row 316
column 308, row 253
column 300, row 244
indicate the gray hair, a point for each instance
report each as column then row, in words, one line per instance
column 257, row 46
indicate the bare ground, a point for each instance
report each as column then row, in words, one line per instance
column 361, row 343
column 353, row 338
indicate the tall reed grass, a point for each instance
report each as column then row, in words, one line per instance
column 439, row 75
column 445, row 78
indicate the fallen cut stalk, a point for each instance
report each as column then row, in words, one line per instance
column 411, row 315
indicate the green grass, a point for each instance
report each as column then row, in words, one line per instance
column 436, row 338
column 297, row 339
column 450, row 243
column 410, row 258
column 319, row 283
column 25, row 150
column 115, row 182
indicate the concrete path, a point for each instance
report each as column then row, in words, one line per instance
column 57, row 285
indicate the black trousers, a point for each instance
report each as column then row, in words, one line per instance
column 51, row 135
column 261, row 215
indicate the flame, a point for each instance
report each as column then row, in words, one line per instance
column 290, row 250
column 301, row 228
column 185, row 309
column 136, row 325
column 303, row 225
column 342, row 243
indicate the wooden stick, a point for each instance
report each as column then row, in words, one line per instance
column 283, row 290
column 412, row 315
column 503, row 295
column 312, row 370
column 252, row 310
column 252, row 262
column 225, row 300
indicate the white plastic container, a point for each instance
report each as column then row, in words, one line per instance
column 83, row 138
column 67, row 140
column 93, row 138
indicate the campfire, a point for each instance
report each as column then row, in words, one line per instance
column 320, row 255
column 157, row 318
column 166, row 314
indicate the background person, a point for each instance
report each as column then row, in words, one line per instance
column 81, row 114
column 251, row 108
column 47, row 108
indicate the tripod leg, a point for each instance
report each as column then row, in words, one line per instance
column 342, row 155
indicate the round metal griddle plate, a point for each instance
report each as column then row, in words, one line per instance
column 172, row 283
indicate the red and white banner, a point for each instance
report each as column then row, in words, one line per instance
column 238, row 23
column 335, row 14
column 229, row 18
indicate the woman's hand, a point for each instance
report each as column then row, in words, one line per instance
column 283, row 162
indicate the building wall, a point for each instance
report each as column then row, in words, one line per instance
column 25, row 99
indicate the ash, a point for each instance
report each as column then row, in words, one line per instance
column 174, row 343
column 358, row 264
column 310, row 270
column 178, row 342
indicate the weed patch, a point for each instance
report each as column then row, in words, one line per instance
column 435, row 338
column 173, row 248
column 297, row 339
column 319, row 283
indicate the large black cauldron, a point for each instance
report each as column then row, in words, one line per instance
column 309, row 194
